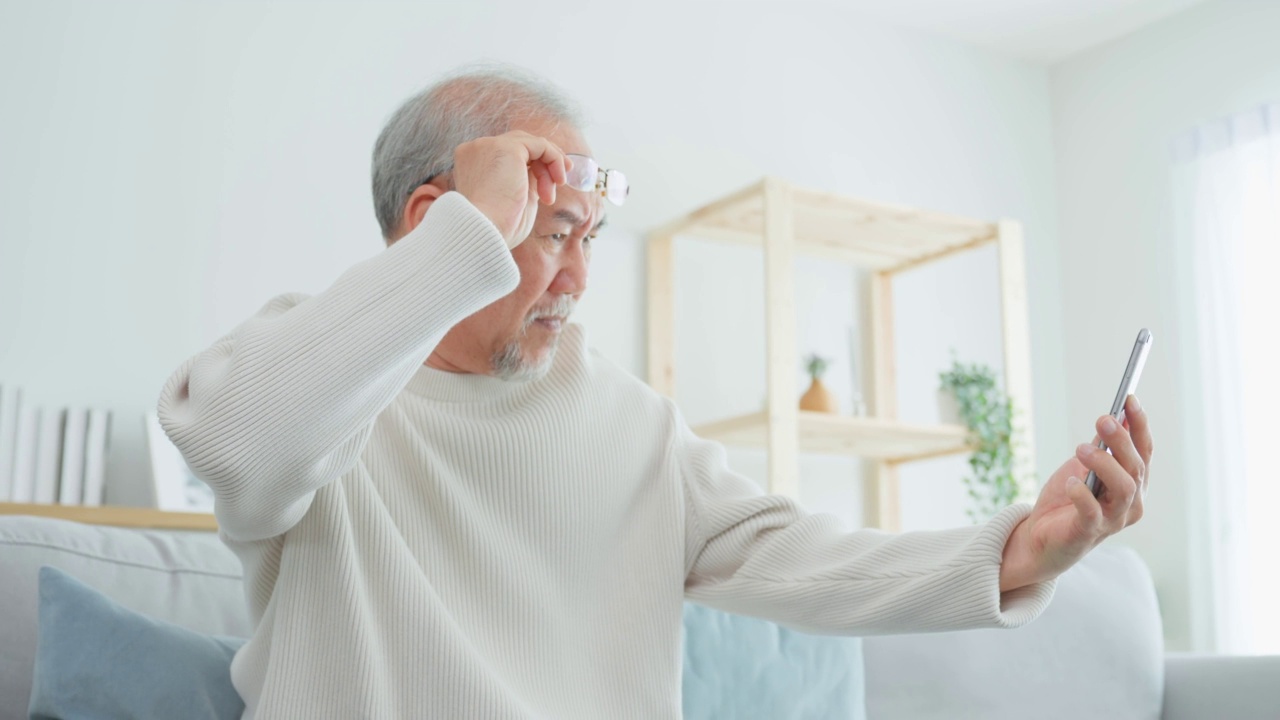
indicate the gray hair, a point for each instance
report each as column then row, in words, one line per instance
column 471, row 102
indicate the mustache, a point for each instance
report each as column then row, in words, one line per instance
column 563, row 307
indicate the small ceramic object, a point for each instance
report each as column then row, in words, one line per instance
column 818, row 398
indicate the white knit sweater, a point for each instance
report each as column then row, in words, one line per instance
column 421, row 544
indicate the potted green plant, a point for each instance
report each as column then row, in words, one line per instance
column 988, row 413
column 817, row 398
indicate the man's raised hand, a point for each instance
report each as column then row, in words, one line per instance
column 505, row 177
column 1068, row 521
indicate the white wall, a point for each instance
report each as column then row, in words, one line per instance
column 168, row 168
column 1115, row 110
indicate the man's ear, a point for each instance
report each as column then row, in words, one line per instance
column 415, row 208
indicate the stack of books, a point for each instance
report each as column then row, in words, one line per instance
column 50, row 455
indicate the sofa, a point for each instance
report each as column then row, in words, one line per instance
column 1096, row 652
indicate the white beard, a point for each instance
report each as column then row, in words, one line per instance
column 509, row 363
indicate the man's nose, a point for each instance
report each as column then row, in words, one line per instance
column 571, row 279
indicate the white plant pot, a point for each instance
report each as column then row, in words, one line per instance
column 948, row 408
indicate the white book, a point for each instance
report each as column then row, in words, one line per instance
column 49, row 456
column 10, row 408
column 95, row 457
column 24, row 459
column 71, row 483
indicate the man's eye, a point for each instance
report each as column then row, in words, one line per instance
column 559, row 237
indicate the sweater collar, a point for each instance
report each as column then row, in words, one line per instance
column 460, row 387
column 446, row 386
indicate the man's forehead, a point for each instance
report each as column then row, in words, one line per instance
column 570, row 140
column 577, row 213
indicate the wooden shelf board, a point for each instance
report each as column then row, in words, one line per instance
column 117, row 516
column 844, row 435
column 873, row 235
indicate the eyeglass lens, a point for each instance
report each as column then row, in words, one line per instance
column 616, row 188
column 585, row 173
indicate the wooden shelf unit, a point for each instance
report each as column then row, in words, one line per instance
column 869, row 235
column 134, row 517
column 886, row 239
column 846, row 435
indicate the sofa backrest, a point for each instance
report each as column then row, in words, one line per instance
column 187, row 578
column 1096, row 652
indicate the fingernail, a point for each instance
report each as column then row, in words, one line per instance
column 1083, row 449
column 1136, row 405
column 1108, row 425
column 1073, row 480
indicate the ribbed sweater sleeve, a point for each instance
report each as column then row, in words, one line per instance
column 285, row 402
column 762, row 555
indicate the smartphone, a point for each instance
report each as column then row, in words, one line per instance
column 1129, row 383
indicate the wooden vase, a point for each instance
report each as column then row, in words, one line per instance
column 818, row 398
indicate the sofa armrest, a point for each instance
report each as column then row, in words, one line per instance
column 1225, row 687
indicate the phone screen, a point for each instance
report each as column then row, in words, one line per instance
column 1128, row 384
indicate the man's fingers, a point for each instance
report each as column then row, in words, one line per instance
column 1120, row 485
column 1135, row 510
column 508, row 177
column 1139, row 427
column 1087, row 507
column 1121, row 444
column 543, row 152
column 546, row 186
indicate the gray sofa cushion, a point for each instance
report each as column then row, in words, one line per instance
column 1097, row 651
column 187, row 578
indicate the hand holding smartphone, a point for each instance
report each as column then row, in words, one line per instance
column 1128, row 384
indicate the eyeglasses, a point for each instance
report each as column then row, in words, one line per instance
column 586, row 175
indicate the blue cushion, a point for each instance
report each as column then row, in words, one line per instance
column 97, row 659
column 741, row 667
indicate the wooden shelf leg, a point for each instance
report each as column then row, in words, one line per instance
column 662, row 315
column 880, row 504
column 1016, row 329
column 880, row 499
column 780, row 339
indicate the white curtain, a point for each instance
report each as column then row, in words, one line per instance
column 1226, row 186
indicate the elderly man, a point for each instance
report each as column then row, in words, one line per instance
column 508, row 529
